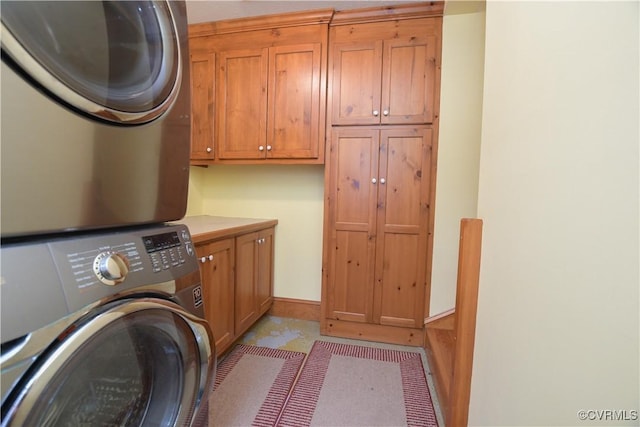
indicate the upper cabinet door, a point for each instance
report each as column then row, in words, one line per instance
column 202, row 106
column 242, row 104
column 408, row 80
column 357, row 69
column 384, row 72
column 293, row 120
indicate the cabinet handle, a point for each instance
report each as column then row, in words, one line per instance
column 376, row 113
column 261, row 148
column 268, row 148
column 382, row 181
column 385, row 112
column 373, row 180
column 209, row 149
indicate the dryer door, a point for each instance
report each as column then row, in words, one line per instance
column 117, row 61
column 142, row 362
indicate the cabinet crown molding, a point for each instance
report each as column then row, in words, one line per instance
column 294, row 19
column 387, row 13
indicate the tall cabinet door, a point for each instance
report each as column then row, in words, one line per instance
column 402, row 224
column 356, row 76
column 408, row 80
column 293, row 121
column 353, row 184
column 217, row 260
column 242, row 104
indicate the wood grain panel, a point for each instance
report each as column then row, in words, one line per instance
column 356, row 74
column 264, row 286
column 401, row 287
column 294, row 101
column 408, row 80
column 202, row 105
column 405, row 165
column 246, row 309
column 218, row 289
column 242, row 112
column 355, row 155
column 351, row 291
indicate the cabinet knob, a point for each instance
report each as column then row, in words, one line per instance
column 373, row 180
column 209, row 149
column 268, row 148
column 203, row 259
column 210, row 257
column 376, row 113
column 382, row 181
column 261, row 148
column 385, row 113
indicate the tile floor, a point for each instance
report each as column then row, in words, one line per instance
column 299, row 335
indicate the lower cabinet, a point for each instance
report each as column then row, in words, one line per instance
column 254, row 278
column 237, row 282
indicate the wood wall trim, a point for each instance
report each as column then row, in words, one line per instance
column 450, row 340
column 387, row 13
column 373, row 332
column 294, row 19
column 296, row 309
column 465, row 320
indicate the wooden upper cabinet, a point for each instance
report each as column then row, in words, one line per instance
column 242, row 106
column 385, row 72
column 270, row 80
column 357, row 75
column 202, row 106
column 269, row 104
column 293, row 121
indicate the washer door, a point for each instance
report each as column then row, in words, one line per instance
column 117, row 61
column 137, row 363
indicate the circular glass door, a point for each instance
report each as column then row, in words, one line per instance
column 119, row 61
column 137, row 364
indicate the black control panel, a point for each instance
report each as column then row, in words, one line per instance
column 165, row 250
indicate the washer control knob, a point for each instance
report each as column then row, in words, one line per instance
column 111, row 268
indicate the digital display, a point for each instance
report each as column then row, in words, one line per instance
column 159, row 242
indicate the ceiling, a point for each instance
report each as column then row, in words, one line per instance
column 216, row 10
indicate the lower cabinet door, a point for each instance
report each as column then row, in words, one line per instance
column 246, row 308
column 217, row 260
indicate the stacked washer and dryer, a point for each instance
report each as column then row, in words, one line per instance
column 101, row 300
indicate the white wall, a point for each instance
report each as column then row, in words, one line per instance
column 292, row 194
column 458, row 147
column 558, row 323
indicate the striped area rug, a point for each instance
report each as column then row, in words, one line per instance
column 349, row 385
column 252, row 385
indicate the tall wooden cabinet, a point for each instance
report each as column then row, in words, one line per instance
column 384, row 78
column 270, row 88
